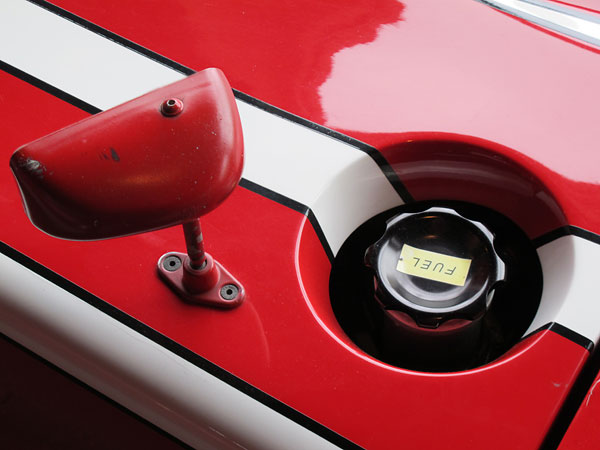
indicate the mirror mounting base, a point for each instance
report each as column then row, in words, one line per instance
column 211, row 285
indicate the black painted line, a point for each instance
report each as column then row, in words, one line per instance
column 377, row 157
column 550, row 236
column 573, row 402
column 275, row 196
column 565, row 332
column 585, row 234
column 178, row 349
column 296, row 206
column 569, row 230
column 321, row 235
column 537, row 330
column 52, row 90
column 572, row 336
column 92, row 390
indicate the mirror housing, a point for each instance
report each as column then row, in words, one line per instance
column 136, row 167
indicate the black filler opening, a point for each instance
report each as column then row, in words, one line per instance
column 514, row 305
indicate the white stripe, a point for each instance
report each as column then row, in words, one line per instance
column 341, row 184
column 570, row 296
column 69, row 57
column 167, row 390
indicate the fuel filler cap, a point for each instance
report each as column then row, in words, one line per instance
column 435, row 265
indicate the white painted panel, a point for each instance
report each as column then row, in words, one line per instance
column 341, row 184
column 351, row 197
column 167, row 390
column 73, row 59
column 570, row 296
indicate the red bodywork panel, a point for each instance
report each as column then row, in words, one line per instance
column 384, row 73
column 583, row 432
column 381, row 71
column 284, row 339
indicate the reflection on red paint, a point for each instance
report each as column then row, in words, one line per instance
column 274, row 50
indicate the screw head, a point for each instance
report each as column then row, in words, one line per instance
column 229, row 291
column 171, row 263
column 171, row 107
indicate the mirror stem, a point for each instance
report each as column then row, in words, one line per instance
column 194, row 243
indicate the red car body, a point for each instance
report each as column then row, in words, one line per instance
column 353, row 108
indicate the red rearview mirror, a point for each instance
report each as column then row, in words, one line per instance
column 136, row 167
column 162, row 159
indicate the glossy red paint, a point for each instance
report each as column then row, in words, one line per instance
column 127, row 170
column 285, row 339
column 583, row 432
column 379, row 70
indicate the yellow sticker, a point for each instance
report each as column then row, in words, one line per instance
column 433, row 266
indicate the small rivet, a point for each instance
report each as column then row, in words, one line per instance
column 229, row 291
column 171, row 107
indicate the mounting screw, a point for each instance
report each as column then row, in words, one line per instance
column 171, row 107
column 229, row 291
column 171, row 263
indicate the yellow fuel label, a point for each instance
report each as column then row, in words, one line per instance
column 433, row 266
